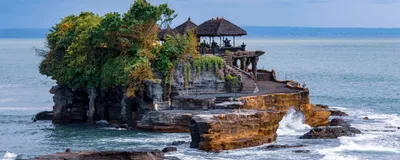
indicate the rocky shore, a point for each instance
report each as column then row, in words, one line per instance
column 140, row 154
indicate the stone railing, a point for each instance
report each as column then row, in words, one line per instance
column 272, row 74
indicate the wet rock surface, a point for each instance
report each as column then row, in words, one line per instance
column 171, row 158
column 330, row 132
column 338, row 122
column 218, row 130
column 173, row 121
column 317, row 116
column 43, row 116
column 140, row 154
column 169, row 149
column 178, row 143
column 276, row 146
column 336, row 112
column 322, row 106
column 302, row 151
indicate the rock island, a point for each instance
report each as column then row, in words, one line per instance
column 132, row 69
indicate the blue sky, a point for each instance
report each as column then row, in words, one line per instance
column 300, row 13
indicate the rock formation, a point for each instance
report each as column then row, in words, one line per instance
column 169, row 149
column 336, row 128
column 143, row 154
column 276, row 147
column 43, row 116
column 315, row 116
column 112, row 104
column 225, row 130
column 330, row 132
column 173, row 121
column 335, row 112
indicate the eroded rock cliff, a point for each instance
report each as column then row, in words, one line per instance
column 227, row 129
column 315, row 116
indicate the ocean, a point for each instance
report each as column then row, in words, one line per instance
column 360, row 76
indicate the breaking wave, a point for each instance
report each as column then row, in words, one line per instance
column 380, row 137
column 9, row 156
column 293, row 124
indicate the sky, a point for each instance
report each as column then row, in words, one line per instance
column 292, row 13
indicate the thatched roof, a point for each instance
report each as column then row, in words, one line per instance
column 219, row 27
column 163, row 33
column 184, row 28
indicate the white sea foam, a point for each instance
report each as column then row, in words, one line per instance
column 293, row 124
column 362, row 142
column 380, row 135
column 9, row 156
column 333, row 156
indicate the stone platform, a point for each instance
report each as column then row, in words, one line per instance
column 228, row 121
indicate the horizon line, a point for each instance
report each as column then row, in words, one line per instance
column 264, row 26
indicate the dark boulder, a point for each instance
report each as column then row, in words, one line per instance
column 330, row 132
column 366, row 118
column 169, row 149
column 171, row 158
column 141, row 154
column 322, row 106
column 43, row 116
column 178, row 143
column 335, row 112
column 276, row 146
column 338, row 122
column 301, row 151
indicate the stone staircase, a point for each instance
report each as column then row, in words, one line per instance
column 163, row 105
column 248, row 84
column 222, row 99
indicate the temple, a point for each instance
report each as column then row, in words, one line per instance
column 237, row 59
column 221, row 98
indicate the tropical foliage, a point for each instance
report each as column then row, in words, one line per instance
column 88, row 50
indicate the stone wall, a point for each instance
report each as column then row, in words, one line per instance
column 111, row 104
column 264, row 75
column 205, row 82
column 315, row 116
column 226, row 129
column 192, row 103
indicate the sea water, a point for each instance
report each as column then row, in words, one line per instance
column 360, row 76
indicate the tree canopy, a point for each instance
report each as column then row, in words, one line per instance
column 88, row 50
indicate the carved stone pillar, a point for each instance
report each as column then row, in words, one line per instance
column 254, row 62
column 248, row 62
column 243, row 63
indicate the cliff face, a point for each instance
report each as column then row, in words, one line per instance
column 226, row 129
column 112, row 104
column 315, row 116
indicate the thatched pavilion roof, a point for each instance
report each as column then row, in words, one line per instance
column 184, row 28
column 219, row 27
column 163, row 33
